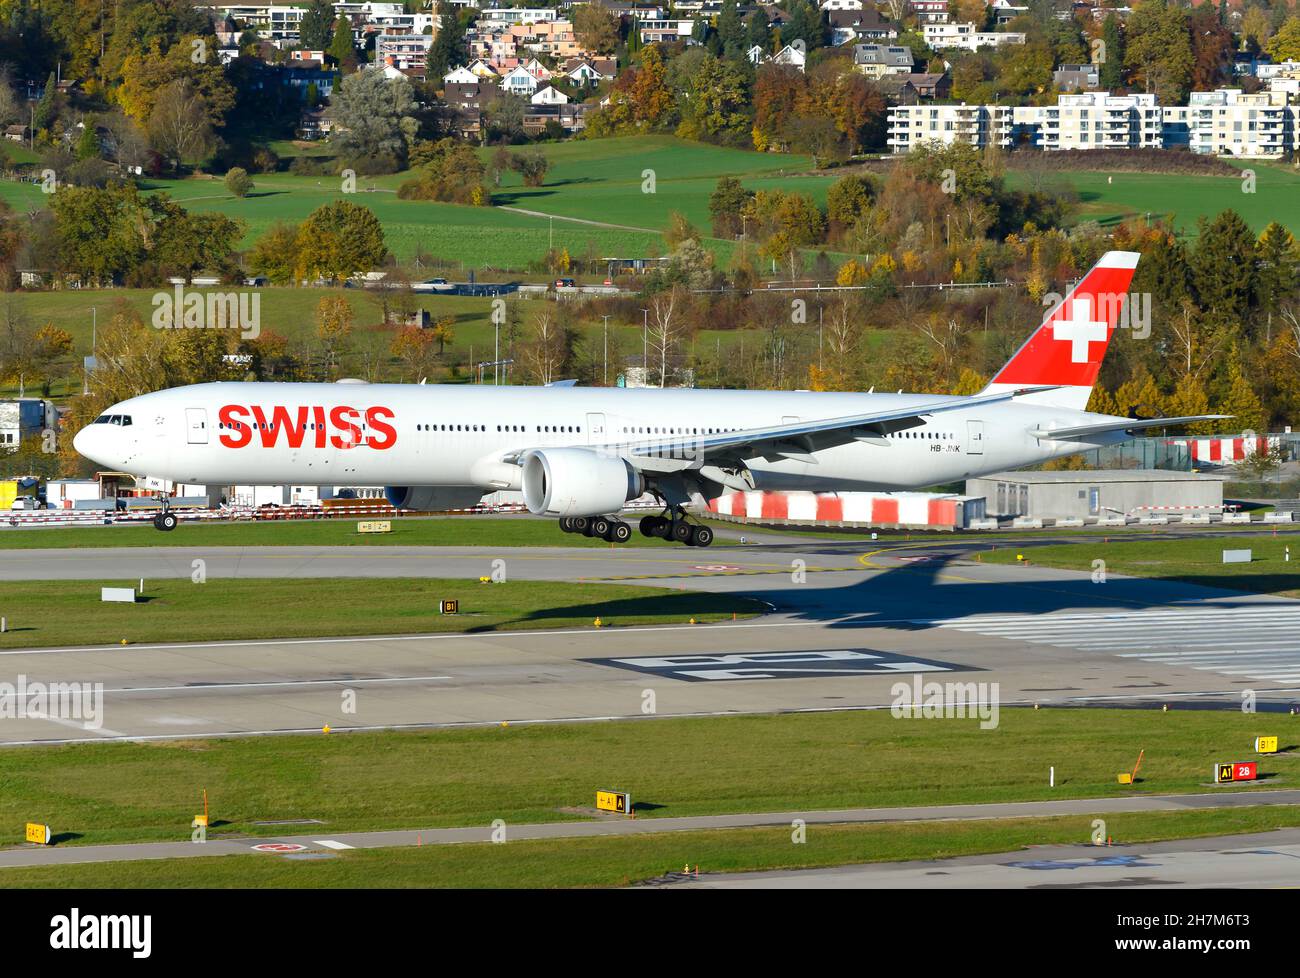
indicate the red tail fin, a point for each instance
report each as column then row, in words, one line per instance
column 1068, row 347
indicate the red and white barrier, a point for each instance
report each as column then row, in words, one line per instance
column 903, row 509
column 1228, row 448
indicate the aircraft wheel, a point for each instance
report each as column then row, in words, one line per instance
column 580, row 524
column 599, row 527
column 566, row 524
column 681, row 531
column 701, row 536
column 649, row 526
column 166, row 521
column 619, row 532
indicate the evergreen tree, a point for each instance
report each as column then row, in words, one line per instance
column 88, row 144
column 1223, row 267
column 341, row 48
column 48, row 107
column 448, row 50
column 1111, row 72
column 731, row 32
column 316, row 28
column 1278, row 255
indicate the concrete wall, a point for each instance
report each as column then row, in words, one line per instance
column 1097, row 494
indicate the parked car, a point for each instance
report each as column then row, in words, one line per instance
column 27, row 502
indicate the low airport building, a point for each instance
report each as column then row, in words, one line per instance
column 1099, row 494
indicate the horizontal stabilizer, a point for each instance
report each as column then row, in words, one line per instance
column 1083, row 431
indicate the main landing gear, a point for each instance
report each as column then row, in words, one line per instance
column 609, row 528
column 675, row 527
column 614, row 530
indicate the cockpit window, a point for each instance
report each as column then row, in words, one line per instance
column 121, row 420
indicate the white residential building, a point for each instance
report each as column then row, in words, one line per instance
column 1094, row 120
column 403, row 50
column 978, row 125
column 519, row 81
column 966, row 36
column 505, row 16
column 1228, row 122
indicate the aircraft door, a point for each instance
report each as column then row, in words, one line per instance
column 196, row 426
column 974, row 437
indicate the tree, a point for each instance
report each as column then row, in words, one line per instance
column 342, row 48
column 726, row 204
column 88, row 142
column 1285, row 44
column 651, row 99
column 731, row 31
column 275, row 254
column 1240, row 401
column 595, row 28
column 180, row 127
column 47, row 109
column 340, row 240
column 532, row 166
column 1278, row 255
column 1212, row 47
column 715, row 104
column 453, row 173
column 316, row 29
column 412, row 345
column 333, row 326
column 238, row 182
column 448, row 49
column 374, row 122
column 1223, row 267
column 1111, row 72
column 848, row 199
column 1159, row 49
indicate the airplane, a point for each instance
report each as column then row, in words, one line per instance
column 579, row 454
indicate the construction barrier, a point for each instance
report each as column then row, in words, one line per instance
column 1228, row 448
column 921, row 510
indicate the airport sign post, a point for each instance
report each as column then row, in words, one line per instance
column 449, row 606
column 1236, row 771
column 1265, row 745
column 619, row 802
column 39, row 834
column 375, row 526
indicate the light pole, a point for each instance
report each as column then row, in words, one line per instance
column 645, row 341
column 606, row 374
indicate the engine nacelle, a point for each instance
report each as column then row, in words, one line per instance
column 431, row 499
column 578, row 482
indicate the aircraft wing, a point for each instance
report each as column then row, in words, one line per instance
column 1084, row 431
column 798, row 440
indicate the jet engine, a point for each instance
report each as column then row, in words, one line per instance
column 577, row 482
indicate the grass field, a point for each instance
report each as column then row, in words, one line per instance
column 595, row 180
column 621, row 861
column 1112, row 197
column 465, row 531
column 118, row 792
column 70, row 613
column 1198, row 561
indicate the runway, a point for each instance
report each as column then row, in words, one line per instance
column 1259, row 860
column 847, row 626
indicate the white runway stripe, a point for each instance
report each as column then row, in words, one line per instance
column 1256, row 642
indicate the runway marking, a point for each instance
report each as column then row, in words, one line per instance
column 205, row 687
column 463, row 636
column 1260, row 643
column 796, row 664
column 332, row 844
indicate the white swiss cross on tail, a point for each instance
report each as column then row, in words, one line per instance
column 1080, row 329
column 1065, row 352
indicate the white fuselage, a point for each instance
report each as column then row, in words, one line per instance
column 439, row 435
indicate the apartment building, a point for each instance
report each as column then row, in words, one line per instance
column 1228, row 122
column 978, row 125
column 403, row 51
column 1093, row 120
column 967, row 37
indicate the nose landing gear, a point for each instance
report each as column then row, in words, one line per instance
column 166, row 520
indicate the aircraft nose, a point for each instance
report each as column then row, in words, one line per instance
column 89, row 443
